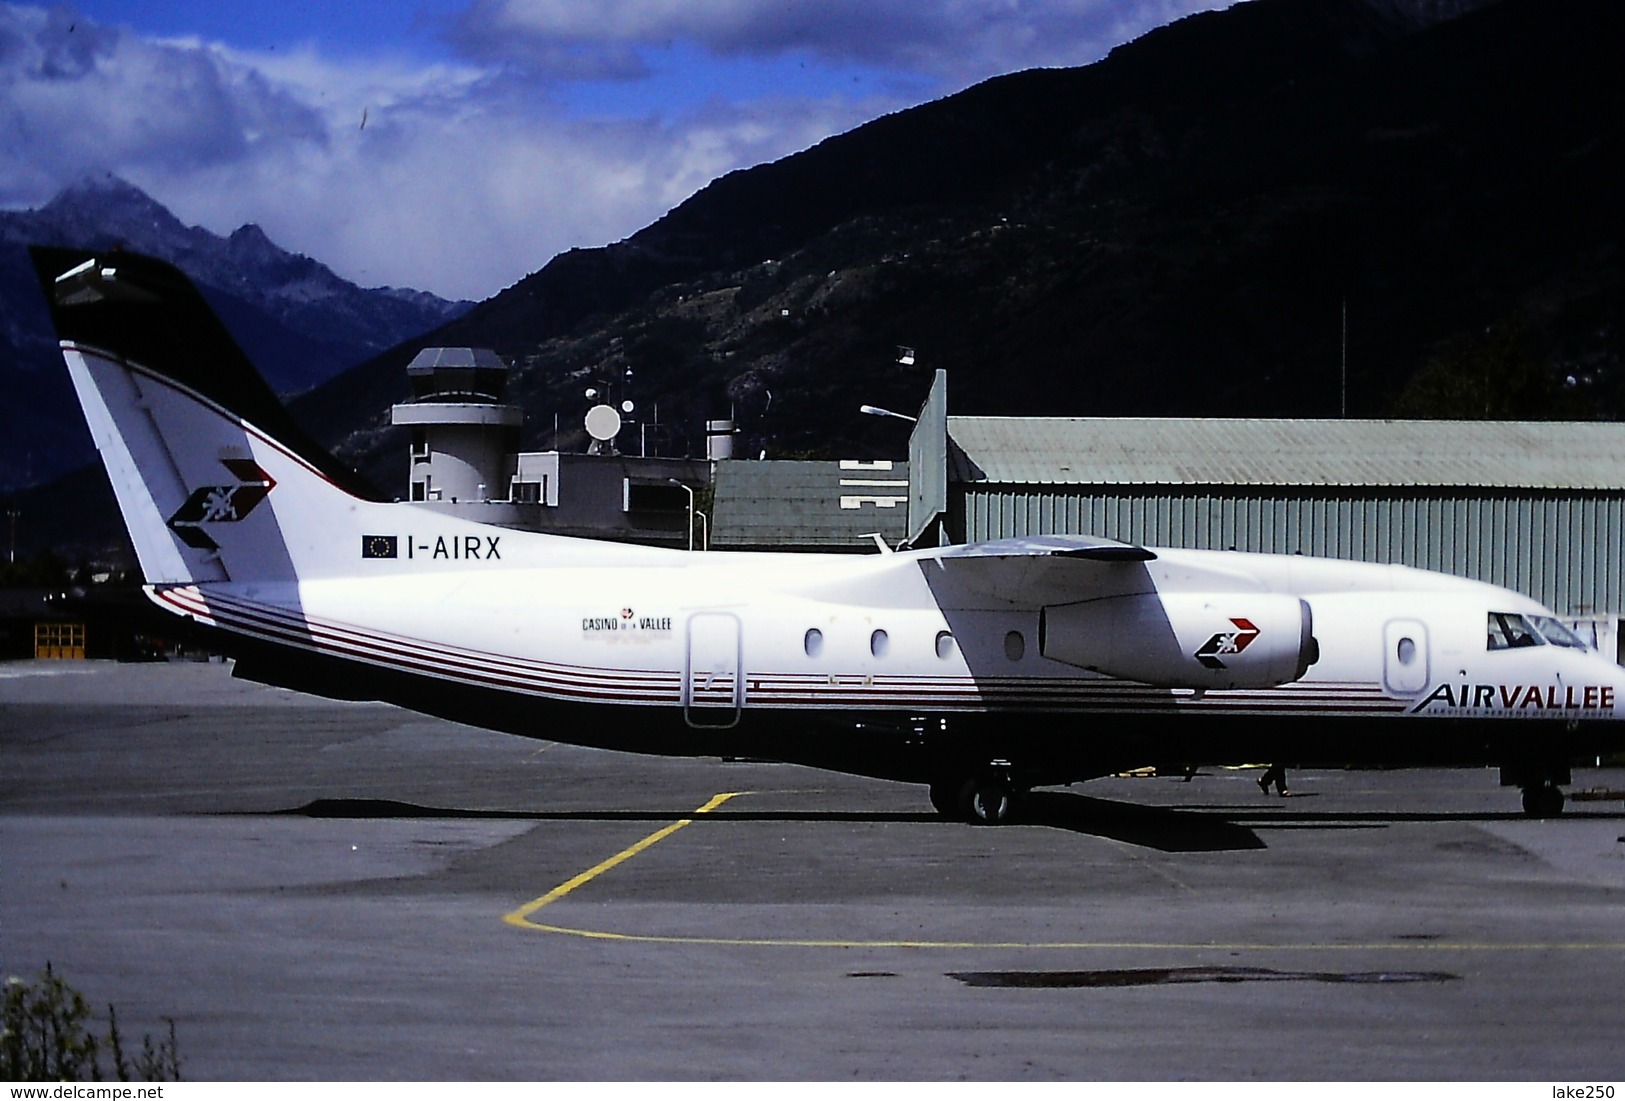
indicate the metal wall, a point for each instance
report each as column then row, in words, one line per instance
column 1563, row 549
column 928, row 462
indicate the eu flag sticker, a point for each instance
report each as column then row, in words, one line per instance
column 379, row 546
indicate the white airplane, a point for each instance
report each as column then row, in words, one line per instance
column 983, row 671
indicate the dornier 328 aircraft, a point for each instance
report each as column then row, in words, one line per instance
column 982, row 671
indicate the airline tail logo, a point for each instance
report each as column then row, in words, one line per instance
column 221, row 504
column 1227, row 642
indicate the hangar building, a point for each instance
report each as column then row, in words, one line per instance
column 1534, row 506
column 786, row 505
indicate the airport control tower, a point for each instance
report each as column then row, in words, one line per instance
column 465, row 462
column 464, row 438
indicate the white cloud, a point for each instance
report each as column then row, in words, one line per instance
column 467, row 203
column 463, row 176
column 959, row 41
column 79, row 97
column 454, row 178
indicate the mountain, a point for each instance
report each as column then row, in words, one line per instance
column 299, row 321
column 1178, row 229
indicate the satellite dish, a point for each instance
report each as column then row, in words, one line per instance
column 603, row 423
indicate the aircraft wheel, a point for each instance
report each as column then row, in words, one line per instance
column 987, row 801
column 1545, row 801
column 945, row 798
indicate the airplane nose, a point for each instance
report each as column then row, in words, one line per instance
column 1610, row 685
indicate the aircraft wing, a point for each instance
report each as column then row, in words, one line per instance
column 1041, row 568
column 1092, row 548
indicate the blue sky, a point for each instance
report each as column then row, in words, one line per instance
column 457, row 145
column 349, row 25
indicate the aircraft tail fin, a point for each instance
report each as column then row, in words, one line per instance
column 204, row 460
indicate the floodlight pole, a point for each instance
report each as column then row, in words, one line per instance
column 690, row 491
column 876, row 411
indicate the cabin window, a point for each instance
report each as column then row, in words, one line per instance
column 1510, row 631
column 945, row 645
column 1406, row 651
column 879, row 643
column 813, row 642
column 1014, row 646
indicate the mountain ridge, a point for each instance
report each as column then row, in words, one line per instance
column 1212, row 221
column 1178, row 229
column 301, row 322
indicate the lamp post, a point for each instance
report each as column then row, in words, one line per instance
column 690, row 491
column 12, row 514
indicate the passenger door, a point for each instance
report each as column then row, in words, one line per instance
column 713, row 690
column 1405, row 657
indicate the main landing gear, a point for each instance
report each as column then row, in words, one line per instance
column 1538, row 780
column 1542, row 800
column 988, row 797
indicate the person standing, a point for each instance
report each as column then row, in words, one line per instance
column 1276, row 774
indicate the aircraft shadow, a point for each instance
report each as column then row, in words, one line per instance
column 1284, row 818
column 1163, row 828
column 1226, row 827
column 394, row 808
column 1177, row 830
column 1186, row 828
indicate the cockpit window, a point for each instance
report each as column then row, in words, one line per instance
column 1554, row 632
column 1510, row 631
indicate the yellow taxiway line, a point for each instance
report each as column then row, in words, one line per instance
column 521, row 918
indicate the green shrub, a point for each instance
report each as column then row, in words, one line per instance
column 46, row 1036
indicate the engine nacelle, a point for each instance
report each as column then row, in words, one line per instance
column 1185, row 640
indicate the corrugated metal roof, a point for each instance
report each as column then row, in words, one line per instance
column 792, row 503
column 1239, row 452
